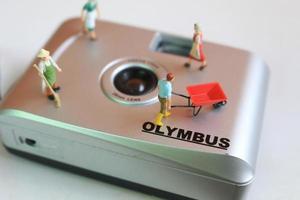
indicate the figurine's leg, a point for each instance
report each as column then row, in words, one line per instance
column 202, row 59
column 85, row 30
column 158, row 119
column 203, row 65
column 93, row 35
column 50, row 94
column 51, row 79
column 169, row 102
column 55, row 87
column 188, row 64
column 168, row 108
column 160, row 115
column 163, row 106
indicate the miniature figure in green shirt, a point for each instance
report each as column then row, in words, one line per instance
column 48, row 66
column 89, row 14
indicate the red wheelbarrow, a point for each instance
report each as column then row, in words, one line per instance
column 201, row 95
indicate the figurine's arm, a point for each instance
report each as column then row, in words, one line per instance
column 55, row 65
column 42, row 66
column 98, row 11
column 82, row 15
column 198, row 43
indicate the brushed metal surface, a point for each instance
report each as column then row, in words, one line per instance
column 242, row 75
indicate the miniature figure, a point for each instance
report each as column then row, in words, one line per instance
column 164, row 96
column 197, row 52
column 89, row 14
column 47, row 70
column 56, row 96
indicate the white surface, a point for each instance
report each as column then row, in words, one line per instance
column 269, row 28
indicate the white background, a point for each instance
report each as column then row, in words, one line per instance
column 270, row 28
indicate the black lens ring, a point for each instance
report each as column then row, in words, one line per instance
column 135, row 81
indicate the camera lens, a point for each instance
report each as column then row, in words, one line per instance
column 131, row 81
column 135, row 81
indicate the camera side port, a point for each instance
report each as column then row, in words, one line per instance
column 131, row 81
column 30, row 142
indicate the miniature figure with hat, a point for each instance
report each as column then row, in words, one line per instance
column 48, row 66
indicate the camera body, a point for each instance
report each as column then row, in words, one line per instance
column 109, row 101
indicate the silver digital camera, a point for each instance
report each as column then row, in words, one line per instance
column 109, row 101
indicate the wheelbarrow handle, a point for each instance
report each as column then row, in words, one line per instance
column 182, row 106
column 181, row 95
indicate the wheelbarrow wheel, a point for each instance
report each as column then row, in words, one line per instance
column 196, row 110
column 219, row 104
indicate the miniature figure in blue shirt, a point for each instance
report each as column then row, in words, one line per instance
column 164, row 96
column 89, row 14
column 165, row 89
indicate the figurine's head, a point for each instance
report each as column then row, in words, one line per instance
column 43, row 54
column 170, row 77
column 197, row 28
